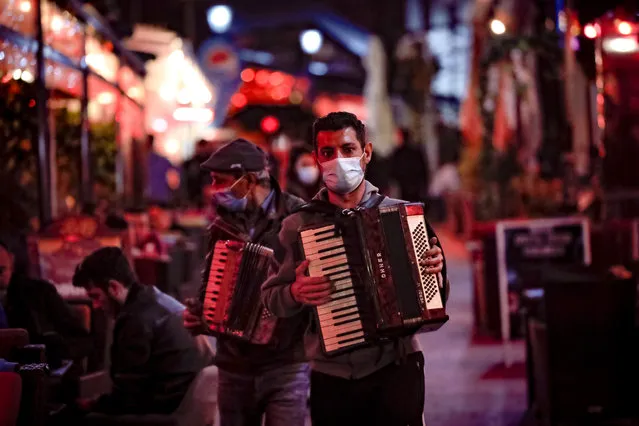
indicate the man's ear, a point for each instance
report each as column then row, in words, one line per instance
column 368, row 150
column 317, row 163
column 115, row 288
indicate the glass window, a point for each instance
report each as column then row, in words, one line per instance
column 132, row 84
column 18, row 137
column 65, row 94
column 19, row 15
column 100, row 57
column 103, row 104
column 62, row 31
column 131, row 140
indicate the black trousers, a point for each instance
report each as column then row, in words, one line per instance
column 392, row 396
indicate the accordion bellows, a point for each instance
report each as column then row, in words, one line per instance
column 232, row 303
column 381, row 291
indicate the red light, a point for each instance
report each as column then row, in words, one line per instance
column 239, row 100
column 247, row 75
column 270, row 124
column 590, row 31
column 32, row 103
column 72, row 238
column 262, row 77
column 624, row 28
column 276, row 78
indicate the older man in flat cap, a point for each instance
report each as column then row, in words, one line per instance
column 255, row 381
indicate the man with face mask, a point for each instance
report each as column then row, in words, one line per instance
column 255, row 381
column 382, row 385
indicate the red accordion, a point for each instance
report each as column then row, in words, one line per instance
column 372, row 257
column 232, row 304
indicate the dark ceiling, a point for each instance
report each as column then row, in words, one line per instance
column 345, row 72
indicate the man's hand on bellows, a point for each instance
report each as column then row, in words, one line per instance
column 433, row 258
column 310, row 290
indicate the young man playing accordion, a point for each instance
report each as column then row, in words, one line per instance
column 380, row 384
column 255, row 380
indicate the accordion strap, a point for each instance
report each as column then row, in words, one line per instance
column 327, row 209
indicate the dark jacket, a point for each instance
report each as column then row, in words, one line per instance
column 153, row 358
column 36, row 306
column 287, row 346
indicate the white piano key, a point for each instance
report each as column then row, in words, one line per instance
column 330, row 263
column 310, row 232
column 333, row 320
column 343, row 293
column 325, row 255
column 339, row 339
column 347, row 311
column 336, row 333
column 342, row 303
column 315, row 247
column 337, row 346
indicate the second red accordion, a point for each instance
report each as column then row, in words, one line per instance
column 232, row 304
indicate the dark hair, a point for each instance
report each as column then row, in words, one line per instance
column 407, row 138
column 107, row 263
column 5, row 246
column 337, row 121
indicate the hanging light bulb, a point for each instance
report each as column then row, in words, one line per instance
column 497, row 27
column 311, row 41
column 624, row 28
column 590, row 31
column 25, row 6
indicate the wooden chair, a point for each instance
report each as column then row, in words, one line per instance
column 10, row 393
column 10, row 339
column 198, row 408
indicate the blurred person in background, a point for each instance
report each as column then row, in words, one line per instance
column 303, row 177
column 444, row 193
column 255, row 381
column 162, row 178
column 36, row 306
column 196, row 179
column 141, row 238
column 409, row 168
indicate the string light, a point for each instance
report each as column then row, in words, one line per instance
column 599, row 81
column 624, row 28
column 239, row 100
column 247, row 75
column 590, row 31
column 497, row 27
column 25, row 6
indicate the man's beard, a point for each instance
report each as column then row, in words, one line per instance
column 111, row 307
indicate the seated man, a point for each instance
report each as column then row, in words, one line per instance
column 153, row 358
column 36, row 306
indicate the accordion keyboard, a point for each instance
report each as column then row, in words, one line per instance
column 216, row 274
column 339, row 320
column 430, row 286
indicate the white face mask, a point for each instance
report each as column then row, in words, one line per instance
column 343, row 175
column 308, row 175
